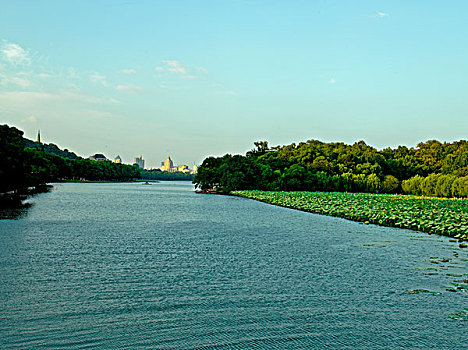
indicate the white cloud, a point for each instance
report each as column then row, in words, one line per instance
column 45, row 75
column 128, row 71
column 64, row 110
column 99, row 79
column 380, row 14
column 332, row 81
column 15, row 54
column 72, row 73
column 27, row 98
column 95, row 114
column 21, row 82
column 175, row 67
column 20, row 79
column 132, row 89
column 80, row 97
column 31, row 119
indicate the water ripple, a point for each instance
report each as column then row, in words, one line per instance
column 120, row 266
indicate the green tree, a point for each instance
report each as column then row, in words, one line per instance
column 12, row 159
column 390, row 184
column 373, row 183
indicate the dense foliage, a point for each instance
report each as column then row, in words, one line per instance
column 22, row 167
column 433, row 215
column 440, row 185
column 12, row 159
column 319, row 166
column 50, row 148
column 164, row 175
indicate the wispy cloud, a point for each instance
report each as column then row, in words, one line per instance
column 132, row 89
column 98, row 79
column 15, row 54
column 24, row 98
column 20, row 79
column 379, row 14
column 21, row 82
column 185, row 72
column 128, row 71
column 45, row 75
column 72, row 73
column 31, row 119
column 51, row 108
column 175, row 67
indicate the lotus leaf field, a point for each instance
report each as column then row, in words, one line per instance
column 448, row 217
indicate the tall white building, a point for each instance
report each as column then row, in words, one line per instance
column 139, row 162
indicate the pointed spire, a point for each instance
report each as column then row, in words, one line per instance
column 39, row 136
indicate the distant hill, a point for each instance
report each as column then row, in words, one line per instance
column 50, row 148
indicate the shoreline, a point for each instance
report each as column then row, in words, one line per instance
column 93, row 181
column 399, row 211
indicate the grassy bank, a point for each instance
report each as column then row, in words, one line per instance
column 447, row 217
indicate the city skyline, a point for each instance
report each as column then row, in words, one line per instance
column 201, row 79
column 139, row 161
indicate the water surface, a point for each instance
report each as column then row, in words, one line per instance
column 132, row 266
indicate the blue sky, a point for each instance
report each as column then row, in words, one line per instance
column 199, row 78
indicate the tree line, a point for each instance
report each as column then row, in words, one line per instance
column 165, row 176
column 432, row 168
column 22, row 167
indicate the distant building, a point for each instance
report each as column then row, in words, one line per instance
column 118, row 160
column 99, row 157
column 183, row 168
column 39, row 136
column 195, row 169
column 168, row 165
column 139, row 162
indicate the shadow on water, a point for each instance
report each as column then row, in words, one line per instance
column 15, row 213
column 16, row 206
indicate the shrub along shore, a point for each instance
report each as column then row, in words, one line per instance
column 442, row 216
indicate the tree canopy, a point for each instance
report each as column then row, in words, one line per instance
column 431, row 168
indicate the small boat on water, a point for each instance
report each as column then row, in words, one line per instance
column 146, row 183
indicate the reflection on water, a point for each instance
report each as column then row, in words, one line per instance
column 123, row 266
column 20, row 211
column 13, row 207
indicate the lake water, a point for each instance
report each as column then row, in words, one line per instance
column 122, row 266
